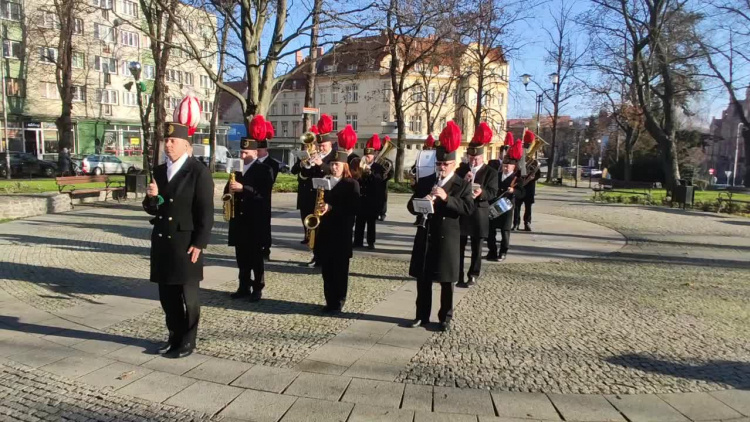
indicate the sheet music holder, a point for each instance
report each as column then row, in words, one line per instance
column 422, row 206
column 301, row 154
column 321, row 182
column 425, row 165
column 234, row 164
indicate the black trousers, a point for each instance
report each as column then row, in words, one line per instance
column 526, row 212
column 251, row 265
column 424, row 300
column 476, row 257
column 335, row 280
column 182, row 311
column 359, row 229
column 492, row 242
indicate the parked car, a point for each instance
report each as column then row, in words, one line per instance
column 590, row 172
column 106, row 164
column 26, row 164
column 284, row 168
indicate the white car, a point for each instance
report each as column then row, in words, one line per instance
column 106, row 164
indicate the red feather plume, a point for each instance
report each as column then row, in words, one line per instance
column 374, row 142
column 508, row 139
column 528, row 137
column 347, row 138
column 257, row 129
column 429, row 142
column 450, row 137
column 386, row 139
column 516, row 151
column 483, row 134
column 270, row 132
column 314, row 129
column 325, row 124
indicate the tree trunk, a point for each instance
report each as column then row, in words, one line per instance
column 160, row 50
column 669, row 162
column 480, row 93
column 556, row 110
column 311, row 73
column 64, row 74
column 212, row 130
column 628, row 166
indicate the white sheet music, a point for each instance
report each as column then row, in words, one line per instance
column 425, row 163
column 321, row 182
column 234, row 164
column 422, row 206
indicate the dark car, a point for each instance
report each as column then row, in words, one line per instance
column 26, row 164
column 284, row 168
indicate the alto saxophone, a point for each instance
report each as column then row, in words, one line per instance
column 312, row 221
column 228, row 199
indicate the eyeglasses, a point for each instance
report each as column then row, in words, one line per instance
column 443, row 163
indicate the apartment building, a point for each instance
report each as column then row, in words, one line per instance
column 353, row 86
column 727, row 145
column 107, row 39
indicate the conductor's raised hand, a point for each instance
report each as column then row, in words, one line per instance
column 194, row 254
column 152, row 190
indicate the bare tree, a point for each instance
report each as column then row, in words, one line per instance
column 313, row 63
column 726, row 47
column 566, row 55
column 662, row 60
column 438, row 75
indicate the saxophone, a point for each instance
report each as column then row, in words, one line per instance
column 228, row 199
column 312, row 221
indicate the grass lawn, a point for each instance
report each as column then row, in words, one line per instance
column 38, row 185
column 658, row 195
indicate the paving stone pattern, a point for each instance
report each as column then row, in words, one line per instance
column 37, row 396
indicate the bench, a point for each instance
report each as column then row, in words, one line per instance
column 727, row 198
column 70, row 185
column 622, row 186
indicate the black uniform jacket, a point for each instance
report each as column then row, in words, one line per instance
column 274, row 164
column 436, row 246
column 333, row 237
column 351, row 158
column 372, row 190
column 505, row 221
column 530, row 188
column 252, row 207
column 184, row 219
column 305, row 191
column 478, row 223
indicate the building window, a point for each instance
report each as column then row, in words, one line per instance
column 188, row 79
column 417, row 95
column 206, row 82
column 386, row 92
column 456, row 97
column 433, row 95
column 322, row 95
column 105, row 64
column 47, row 55
column 107, row 96
column 334, row 94
column 296, row 131
column 14, row 87
column 106, row 109
column 77, row 26
column 285, row 129
column 207, row 108
column 351, row 119
column 174, row 76
column 273, row 111
column 351, row 67
column 78, row 60
column 386, row 116
column 284, row 109
column 352, row 93
column 103, row 33
column 130, row 99
column 335, row 119
column 148, row 71
column 12, row 49
column 10, row 10
column 131, row 39
column 79, row 94
column 49, row 90
column 329, row 68
column 295, row 108
column 501, row 98
column 50, row 20
column 415, row 124
column 104, row 4
column 129, row 8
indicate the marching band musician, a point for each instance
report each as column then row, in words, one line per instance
column 319, row 167
column 372, row 194
column 510, row 185
column 484, row 188
column 265, row 158
column 429, row 144
column 251, row 225
column 389, row 175
column 349, row 149
column 529, row 190
column 333, row 243
column 435, row 255
column 181, row 199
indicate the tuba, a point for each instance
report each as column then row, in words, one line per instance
column 533, row 164
column 312, row 221
column 308, row 139
column 382, row 154
column 228, row 199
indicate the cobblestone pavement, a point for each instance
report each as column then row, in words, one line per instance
column 667, row 313
column 31, row 396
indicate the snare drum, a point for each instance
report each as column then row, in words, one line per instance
column 500, row 207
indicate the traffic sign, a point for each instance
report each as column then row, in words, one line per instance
column 310, row 110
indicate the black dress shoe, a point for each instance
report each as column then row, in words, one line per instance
column 163, row 347
column 462, row 285
column 303, row 242
column 179, row 352
column 240, row 293
column 515, row 227
column 491, row 257
column 527, row 227
column 472, row 281
column 255, row 296
column 370, row 247
column 445, row 326
column 358, row 246
column 417, row 323
column 502, row 258
column 382, row 217
column 312, row 264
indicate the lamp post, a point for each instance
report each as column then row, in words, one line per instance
column 600, row 153
column 554, row 79
column 578, row 151
column 5, row 123
column 736, row 153
column 135, row 70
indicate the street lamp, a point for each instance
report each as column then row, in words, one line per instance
column 554, row 79
column 578, row 150
column 135, row 70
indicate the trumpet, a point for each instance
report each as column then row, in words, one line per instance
column 312, row 221
column 308, row 139
column 228, row 199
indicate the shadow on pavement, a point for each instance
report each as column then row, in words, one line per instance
column 732, row 373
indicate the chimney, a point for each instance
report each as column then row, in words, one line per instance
column 320, row 51
column 298, row 58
